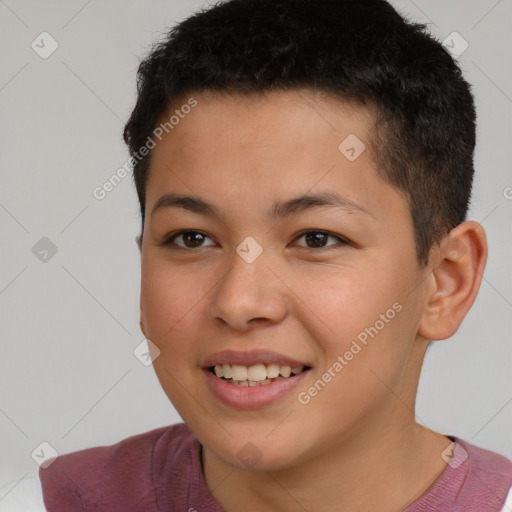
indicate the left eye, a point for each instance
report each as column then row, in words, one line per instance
column 318, row 239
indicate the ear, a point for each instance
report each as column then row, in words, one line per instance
column 454, row 281
column 141, row 318
column 138, row 239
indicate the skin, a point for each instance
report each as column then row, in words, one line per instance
column 356, row 445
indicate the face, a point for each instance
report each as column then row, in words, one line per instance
column 248, row 277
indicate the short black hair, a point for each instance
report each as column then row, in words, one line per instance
column 362, row 51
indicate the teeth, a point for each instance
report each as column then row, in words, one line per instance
column 250, row 383
column 237, row 372
column 285, row 371
column 226, row 371
column 272, row 371
column 255, row 375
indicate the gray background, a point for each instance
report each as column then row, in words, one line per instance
column 69, row 326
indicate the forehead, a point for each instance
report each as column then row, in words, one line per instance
column 246, row 149
column 273, row 119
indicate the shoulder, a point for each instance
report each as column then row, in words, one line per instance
column 123, row 472
column 489, row 474
column 486, row 461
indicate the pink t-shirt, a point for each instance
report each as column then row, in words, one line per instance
column 160, row 471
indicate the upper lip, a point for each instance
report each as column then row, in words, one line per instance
column 250, row 358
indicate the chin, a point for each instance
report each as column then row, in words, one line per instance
column 256, row 453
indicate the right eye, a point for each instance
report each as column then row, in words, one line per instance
column 191, row 239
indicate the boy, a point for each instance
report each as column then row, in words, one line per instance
column 304, row 169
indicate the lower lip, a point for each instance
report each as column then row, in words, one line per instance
column 252, row 397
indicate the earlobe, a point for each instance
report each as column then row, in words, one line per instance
column 456, row 279
column 141, row 319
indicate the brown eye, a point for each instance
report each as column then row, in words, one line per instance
column 318, row 239
column 190, row 239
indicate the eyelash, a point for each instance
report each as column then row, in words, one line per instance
column 169, row 240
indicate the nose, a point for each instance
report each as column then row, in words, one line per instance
column 249, row 294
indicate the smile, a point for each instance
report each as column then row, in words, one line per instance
column 255, row 375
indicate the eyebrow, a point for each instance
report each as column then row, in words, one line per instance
column 280, row 209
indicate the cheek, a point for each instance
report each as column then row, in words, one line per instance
column 171, row 302
column 365, row 322
column 344, row 303
column 172, row 309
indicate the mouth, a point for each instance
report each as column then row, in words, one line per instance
column 253, row 379
column 255, row 375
